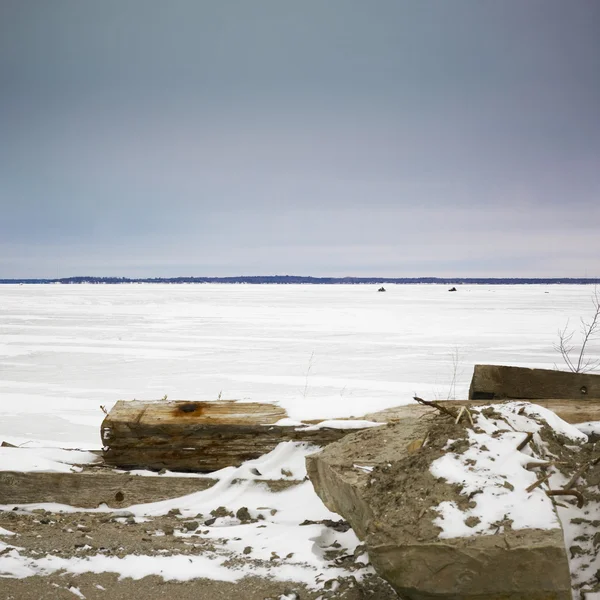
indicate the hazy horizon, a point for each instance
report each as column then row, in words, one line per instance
column 305, row 279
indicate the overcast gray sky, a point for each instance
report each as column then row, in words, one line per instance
column 398, row 138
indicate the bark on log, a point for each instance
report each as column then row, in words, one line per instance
column 198, row 436
column 116, row 490
column 500, row 382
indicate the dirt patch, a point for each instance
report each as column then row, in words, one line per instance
column 107, row 586
column 82, row 535
column 421, row 491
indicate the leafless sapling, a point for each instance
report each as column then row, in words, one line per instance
column 580, row 363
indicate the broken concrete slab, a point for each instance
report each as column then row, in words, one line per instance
column 380, row 481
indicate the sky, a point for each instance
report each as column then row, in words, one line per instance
column 397, row 138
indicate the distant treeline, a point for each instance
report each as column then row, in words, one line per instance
column 287, row 279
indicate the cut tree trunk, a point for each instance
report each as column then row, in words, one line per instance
column 500, row 382
column 198, row 436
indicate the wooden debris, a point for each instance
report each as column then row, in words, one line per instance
column 438, row 406
column 464, row 410
column 538, row 483
column 93, row 488
column 528, row 438
column 581, row 471
column 198, row 436
column 491, row 382
column 542, row 464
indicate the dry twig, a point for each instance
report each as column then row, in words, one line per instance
column 464, row 411
column 588, row 331
column 437, row 406
column 538, row 483
column 526, row 441
column 580, row 472
column 542, row 464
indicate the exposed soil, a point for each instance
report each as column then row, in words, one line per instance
column 87, row 534
column 421, row 491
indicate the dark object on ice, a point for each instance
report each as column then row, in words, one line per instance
column 381, row 289
column 452, row 289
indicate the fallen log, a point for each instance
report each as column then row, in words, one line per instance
column 103, row 486
column 491, row 382
column 199, row 436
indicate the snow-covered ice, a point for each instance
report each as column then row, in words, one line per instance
column 49, row 460
column 322, row 352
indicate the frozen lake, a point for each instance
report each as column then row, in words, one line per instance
column 319, row 351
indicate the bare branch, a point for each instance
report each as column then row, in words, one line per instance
column 447, row 411
column 589, row 329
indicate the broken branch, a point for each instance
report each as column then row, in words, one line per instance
column 542, row 464
column 578, row 495
column 526, row 441
column 437, row 406
column 581, row 471
column 538, row 483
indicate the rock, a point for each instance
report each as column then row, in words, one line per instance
column 388, row 495
column 120, row 514
column 243, row 514
column 221, row 511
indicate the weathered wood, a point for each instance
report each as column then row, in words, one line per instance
column 501, row 382
column 116, row 490
column 181, row 421
column 572, row 411
column 198, row 436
